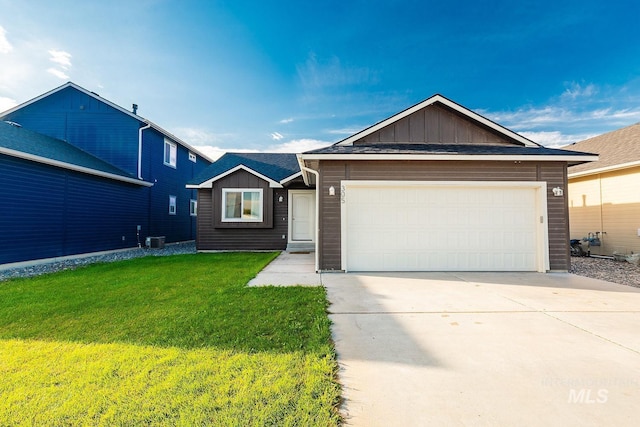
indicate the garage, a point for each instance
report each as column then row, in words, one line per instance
column 444, row 226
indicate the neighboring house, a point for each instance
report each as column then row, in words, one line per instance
column 245, row 201
column 436, row 187
column 81, row 174
column 604, row 197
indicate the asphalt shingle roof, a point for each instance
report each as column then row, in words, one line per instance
column 463, row 149
column 276, row 166
column 25, row 141
column 614, row 148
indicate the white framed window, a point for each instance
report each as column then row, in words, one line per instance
column 192, row 157
column 172, row 205
column 170, row 153
column 193, row 207
column 242, row 205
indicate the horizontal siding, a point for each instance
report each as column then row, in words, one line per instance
column 332, row 172
column 51, row 212
column 212, row 238
column 607, row 203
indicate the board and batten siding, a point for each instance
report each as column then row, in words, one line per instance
column 434, row 124
column 270, row 234
column 332, row 172
column 53, row 212
column 608, row 203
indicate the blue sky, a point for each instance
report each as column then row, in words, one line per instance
column 293, row 75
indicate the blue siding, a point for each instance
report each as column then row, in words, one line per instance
column 170, row 181
column 85, row 122
column 50, row 212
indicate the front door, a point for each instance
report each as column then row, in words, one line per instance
column 302, row 215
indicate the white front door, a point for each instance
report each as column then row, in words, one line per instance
column 302, row 215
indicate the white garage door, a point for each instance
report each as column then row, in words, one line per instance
column 442, row 227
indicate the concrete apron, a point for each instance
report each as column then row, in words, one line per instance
column 486, row 349
column 289, row 269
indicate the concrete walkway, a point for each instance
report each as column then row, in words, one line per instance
column 289, row 269
column 486, row 349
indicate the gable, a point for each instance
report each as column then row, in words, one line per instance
column 435, row 124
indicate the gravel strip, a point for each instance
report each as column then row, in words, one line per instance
column 620, row 272
column 51, row 267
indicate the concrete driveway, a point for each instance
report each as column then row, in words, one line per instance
column 486, row 349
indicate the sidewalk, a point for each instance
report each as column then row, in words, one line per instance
column 289, row 269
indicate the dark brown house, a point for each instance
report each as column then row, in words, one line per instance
column 436, row 187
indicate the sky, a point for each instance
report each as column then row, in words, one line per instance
column 295, row 75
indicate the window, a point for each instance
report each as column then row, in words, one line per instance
column 192, row 157
column 172, row 205
column 193, row 207
column 170, row 153
column 241, row 205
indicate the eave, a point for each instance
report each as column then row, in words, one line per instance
column 604, row 169
column 209, row 183
column 70, row 166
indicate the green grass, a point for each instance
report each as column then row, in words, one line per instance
column 165, row 341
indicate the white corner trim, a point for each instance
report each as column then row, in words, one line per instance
column 209, row 183
column 430, row 101
column 69, row 166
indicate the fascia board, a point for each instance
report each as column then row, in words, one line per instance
column 604, row 169
column 290, row 178
column 478, row 157
column 70, row 166
column 209, row 183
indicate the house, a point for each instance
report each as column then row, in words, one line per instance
column 604, row 197
column 435, row 187
column 82, row 174
column 258, row 193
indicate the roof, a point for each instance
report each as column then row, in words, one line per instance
column 275, row 168
column 111, row 104
column 437, row 98
column 617, row 150
column 18, row 142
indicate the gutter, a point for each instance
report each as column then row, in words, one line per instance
column 317, row 174
column 140, row 149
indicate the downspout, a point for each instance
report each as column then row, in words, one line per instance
column 140, row 149
column 317, row 174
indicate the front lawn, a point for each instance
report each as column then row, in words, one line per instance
column 165, row 341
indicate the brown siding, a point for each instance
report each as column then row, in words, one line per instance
column 435, row 124
column 268, row 235
column 332, row 172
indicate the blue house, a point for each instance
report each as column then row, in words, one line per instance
column 80, row 174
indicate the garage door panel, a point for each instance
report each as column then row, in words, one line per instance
column 415, row 228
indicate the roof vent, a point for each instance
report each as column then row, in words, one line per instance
column 134, row 107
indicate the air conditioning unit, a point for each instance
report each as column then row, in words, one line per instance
column 155, row 242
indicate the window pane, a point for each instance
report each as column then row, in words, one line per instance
column 251, row 209
column 233, row 205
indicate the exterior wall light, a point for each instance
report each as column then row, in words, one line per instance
column 558, row 192
column 332, row 191
column 280, row 199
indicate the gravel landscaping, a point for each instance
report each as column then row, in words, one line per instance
column 70, row 264
column 620, row 272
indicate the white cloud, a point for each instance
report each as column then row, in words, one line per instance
column 345, row 131
column 58, row 73
column 276, row 136
column 215, row 152
column 5, row 46
column 60, row 57
column 576, row 90
column 555, row 139
column 316, row 74
column 6, row 103
column 298, row 146
column 285, row 121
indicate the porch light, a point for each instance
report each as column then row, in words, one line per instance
column 332, row 191
column 558, row 192
column 280, row 199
